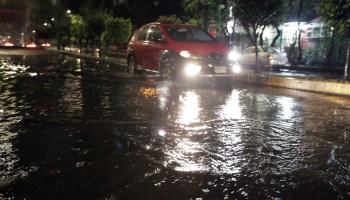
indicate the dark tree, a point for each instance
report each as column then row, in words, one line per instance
column 337, row 15
column 255, row 15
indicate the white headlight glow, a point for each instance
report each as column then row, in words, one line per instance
column 192, row 69
column 185, row 54
column 236, row 69
column 233, row 55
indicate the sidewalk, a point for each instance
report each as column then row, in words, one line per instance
column 110, row 58
column 330, row 85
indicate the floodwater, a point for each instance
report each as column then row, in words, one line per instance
column 77, row 129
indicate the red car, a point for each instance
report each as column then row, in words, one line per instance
column 179, row 50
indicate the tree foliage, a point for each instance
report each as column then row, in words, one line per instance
column 95, row 26
column 336, row 14
column 201, row 9
column 40, row 12
column 255, row 15
column 78, row 28
column 48, row 20
column 172, row 19
column 118, row 30
column 11, row 4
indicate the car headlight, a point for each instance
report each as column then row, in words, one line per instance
column 188, row 54
column 236, row 68
column 233, row 55
column 192, row 69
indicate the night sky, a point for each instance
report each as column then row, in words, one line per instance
column 148, row 10
column 139, row 11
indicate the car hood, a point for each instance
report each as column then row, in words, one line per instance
column 203, row 48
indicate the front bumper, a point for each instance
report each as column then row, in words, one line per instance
column 208, row 68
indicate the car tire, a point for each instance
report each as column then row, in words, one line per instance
column 167, row 72
column 132, row 64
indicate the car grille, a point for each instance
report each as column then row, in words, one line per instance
column 216, row 56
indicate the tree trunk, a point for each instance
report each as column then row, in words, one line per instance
column 251, row 39
column 291, row 54
column 261, row 39
column 256, row 51
column 87, row 46
column 80, row 44
column 301, row 3
column 118, row 50
column 347, row 69
column 279, row 32
column 328, row 60
column 232, row 39
column 300, row 56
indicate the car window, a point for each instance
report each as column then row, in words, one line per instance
column 135, row 35
column 156, row 35
column 189, row 34
column 271, row 50
column 143, row 33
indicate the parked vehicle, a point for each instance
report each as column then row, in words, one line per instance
column 267, row 57
column 7, row 44
column 175, row 50
column 31, row 45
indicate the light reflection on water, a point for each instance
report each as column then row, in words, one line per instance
column 195, row 149
column 287, row 105
column 189, row 108
column 236, row 142
column 191, row 154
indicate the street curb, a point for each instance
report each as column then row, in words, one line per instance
column 120, row 61
column 306, row 84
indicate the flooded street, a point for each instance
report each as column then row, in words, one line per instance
column 72, row 128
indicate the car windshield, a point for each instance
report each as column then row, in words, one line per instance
column 189, row 34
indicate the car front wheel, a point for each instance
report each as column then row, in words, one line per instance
column 167, row 72
column 132, row 64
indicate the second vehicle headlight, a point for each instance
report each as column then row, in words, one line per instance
column 192, row 69
column 233, row 55
column 236, row 68
column 188, row 54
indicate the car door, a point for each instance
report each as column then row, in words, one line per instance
column 155, row 46
column 140, row 47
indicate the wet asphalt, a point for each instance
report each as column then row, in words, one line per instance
column 74, row 128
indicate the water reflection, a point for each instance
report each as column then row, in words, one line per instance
column 78, row 64
column 231, row 109
column 189, row 108
column 208, row 147
column 287, row 105
column 185, row 156
column 219, row 144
